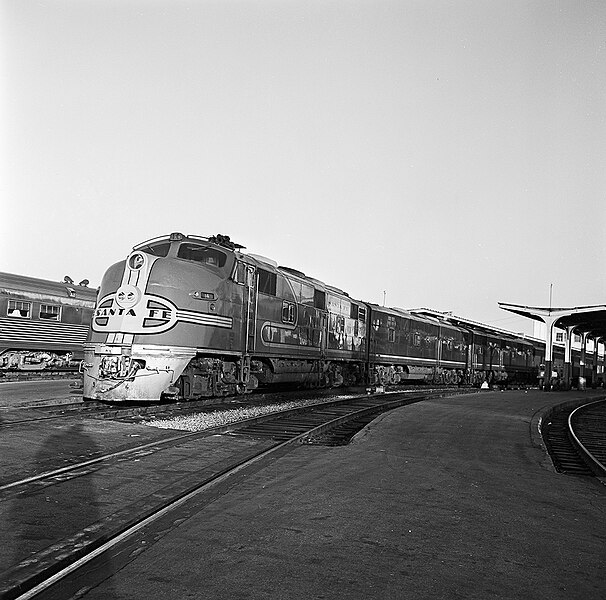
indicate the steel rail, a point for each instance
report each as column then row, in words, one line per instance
column 594, row 463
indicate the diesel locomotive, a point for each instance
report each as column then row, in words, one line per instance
column 43, row 324
column 187, row 317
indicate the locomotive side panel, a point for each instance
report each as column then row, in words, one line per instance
column 289, row 325
column 408, row 347
column 518, row 361
column 312, row 335
column 487, row 358
column 454, row 355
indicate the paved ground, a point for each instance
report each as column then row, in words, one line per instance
column 18, row 394
column 450, row 499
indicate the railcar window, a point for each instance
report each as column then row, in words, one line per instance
column 338, row 305
column 296, row 289
column 320, row 299
column 157, row 249
column 267, row 282
column 289, row 312
column 239, row 274
column 202, row 254
column 16, row 308
column 307, row 294
column 49, row 312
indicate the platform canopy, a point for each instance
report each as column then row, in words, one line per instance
column 585, row 319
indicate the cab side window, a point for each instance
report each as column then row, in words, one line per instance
column 267, row 282
column 239, row 275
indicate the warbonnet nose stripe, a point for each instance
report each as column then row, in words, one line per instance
column 131, row 310
column 204, row 319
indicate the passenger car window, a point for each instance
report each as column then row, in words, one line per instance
column 50, row 312
column 320, row 299
column 202, row 254
column 17, row 308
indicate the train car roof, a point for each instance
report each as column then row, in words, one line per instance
column 299, row 275
column 33, row 287
column 476, row 325
column 400, row 312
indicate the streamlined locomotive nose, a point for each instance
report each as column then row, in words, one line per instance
column 128, row 296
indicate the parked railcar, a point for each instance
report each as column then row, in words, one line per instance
column 408, row 347
column 43, row 324
column 518, row 361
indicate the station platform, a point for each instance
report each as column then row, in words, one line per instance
column 449, row 498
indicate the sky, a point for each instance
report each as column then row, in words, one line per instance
column 446, row 154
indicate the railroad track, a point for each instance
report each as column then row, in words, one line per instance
column 52, row 412
column 588, row 428
column 575, row 437
column 139, row 412
column 207, row 465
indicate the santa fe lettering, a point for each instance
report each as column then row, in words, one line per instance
column 155, row 313
column 110, row 312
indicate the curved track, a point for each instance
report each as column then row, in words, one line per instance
column 575, row 437
column 587, row 426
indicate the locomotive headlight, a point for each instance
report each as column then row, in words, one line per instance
column 199, row 295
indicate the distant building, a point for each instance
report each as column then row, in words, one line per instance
column 539, row 331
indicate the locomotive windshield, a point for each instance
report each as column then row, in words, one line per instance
column 202, row 254
column 160, row 249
